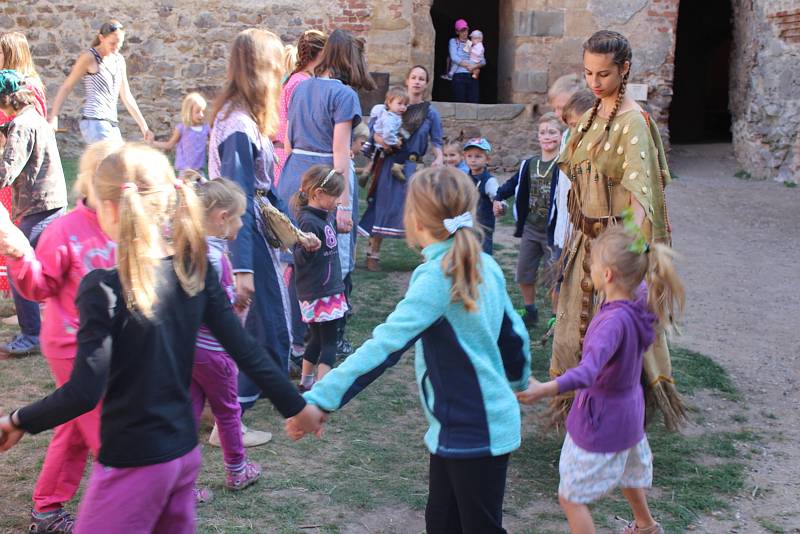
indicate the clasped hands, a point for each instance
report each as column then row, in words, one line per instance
column 10, row 434
column 12, row 241
column 308, row 421
column 537, row 391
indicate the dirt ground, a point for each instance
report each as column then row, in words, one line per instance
column 741, row 251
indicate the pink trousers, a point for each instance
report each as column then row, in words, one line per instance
column 152, row 499
column 66, row 456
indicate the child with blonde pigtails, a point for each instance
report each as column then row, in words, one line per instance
column 214, row 372
column 606, row 446
column 67, row 250
column 472, row 353
column 135, row 349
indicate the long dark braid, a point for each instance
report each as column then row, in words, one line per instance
column 616, row 44
column 573, row 144
column 620, row 97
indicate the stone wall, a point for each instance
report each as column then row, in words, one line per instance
column 177, row 46
column 549, row 34
column 765, row 88
column 173, row 47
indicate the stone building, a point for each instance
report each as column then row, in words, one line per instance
column 731, row 77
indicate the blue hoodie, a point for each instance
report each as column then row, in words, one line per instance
column 468, row 364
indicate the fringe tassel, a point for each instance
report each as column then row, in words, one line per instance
column 664, row 397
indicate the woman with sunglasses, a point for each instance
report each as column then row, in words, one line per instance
column 105, row 79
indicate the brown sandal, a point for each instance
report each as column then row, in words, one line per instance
column 656, row 528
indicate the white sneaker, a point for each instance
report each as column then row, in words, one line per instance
column 213, row 439
column 254, row 438
column 250, row 437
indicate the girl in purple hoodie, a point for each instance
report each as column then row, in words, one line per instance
column 606, row 446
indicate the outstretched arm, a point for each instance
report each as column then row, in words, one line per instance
column 78, row 71
column 170, row 143
column 131, row 105
column 424, row 303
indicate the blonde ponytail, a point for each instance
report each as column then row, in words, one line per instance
column 633, row 260
column 462, row 264
column 138, row 238
column 435, row 194
column 666, row 294
column 152, row 217
column 189, row 240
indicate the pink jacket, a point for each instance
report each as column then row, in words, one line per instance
column 69, row 247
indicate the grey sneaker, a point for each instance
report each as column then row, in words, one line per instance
column 55, row 522
column 21, row 345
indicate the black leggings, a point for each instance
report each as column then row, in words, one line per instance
column 465, row 496
column 321, row 346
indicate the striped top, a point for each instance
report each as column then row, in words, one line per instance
column 102, row 87
column 218, row 256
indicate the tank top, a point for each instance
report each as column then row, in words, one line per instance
column 102, row 88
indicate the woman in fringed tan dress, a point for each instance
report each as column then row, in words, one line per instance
column 616, row 161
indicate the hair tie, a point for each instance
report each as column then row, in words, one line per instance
column 462, row 221
column 129, row 185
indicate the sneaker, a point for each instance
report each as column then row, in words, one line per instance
column 248, row 476
column 55, row 522
column 530, row 317
column 446, row 77
column 344, row 348
column 302, row 388
column 295, row 365
column 21, row 345
column 254, row 438
column 250, row 438
column 202, row 495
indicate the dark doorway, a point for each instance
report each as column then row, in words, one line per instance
column 700, row 110
column 481, row 16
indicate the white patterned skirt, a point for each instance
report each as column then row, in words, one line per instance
column 587, row 476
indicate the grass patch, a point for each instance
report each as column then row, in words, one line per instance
column 371, row 463
column 693, row 371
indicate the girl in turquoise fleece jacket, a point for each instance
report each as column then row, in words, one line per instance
column 472, row 352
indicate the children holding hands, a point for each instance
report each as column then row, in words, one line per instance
column 606, row 446
column 135, row 350
column 472, row 353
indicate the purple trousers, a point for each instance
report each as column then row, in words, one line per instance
column 214, row 377
column 141, row 500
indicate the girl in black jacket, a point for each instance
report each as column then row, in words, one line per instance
column 318, row 274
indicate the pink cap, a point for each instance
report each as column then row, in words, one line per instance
column 461, row 24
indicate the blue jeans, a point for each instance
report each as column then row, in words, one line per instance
column 466, row 88
column 27, row 310
column 95, row 130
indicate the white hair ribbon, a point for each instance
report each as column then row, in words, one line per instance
column 462, row 221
